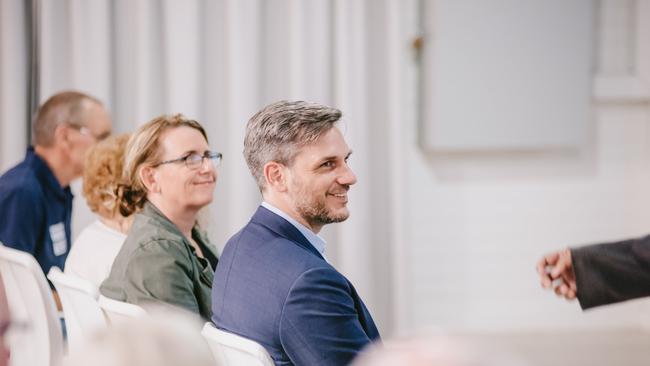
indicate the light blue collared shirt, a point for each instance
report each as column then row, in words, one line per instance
column 315, row 240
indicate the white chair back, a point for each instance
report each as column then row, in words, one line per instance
column 118, row 311
column 31, row 302
column 81, row 310
column 232, row 350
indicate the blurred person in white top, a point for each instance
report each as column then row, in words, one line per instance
column 93, row 252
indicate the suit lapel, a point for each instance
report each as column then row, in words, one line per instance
column 283, row 228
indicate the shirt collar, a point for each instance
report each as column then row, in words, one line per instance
column 46, row 175
column 315, row 240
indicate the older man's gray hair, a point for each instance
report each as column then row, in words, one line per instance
column 63, row 107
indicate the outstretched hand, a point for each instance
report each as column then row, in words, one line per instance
column 556, row 271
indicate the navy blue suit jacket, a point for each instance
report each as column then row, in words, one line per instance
column 272, row 286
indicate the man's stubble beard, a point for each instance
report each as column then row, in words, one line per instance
column 314, row 209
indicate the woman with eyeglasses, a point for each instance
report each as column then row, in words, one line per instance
column 170, row 175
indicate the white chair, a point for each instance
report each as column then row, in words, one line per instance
column 31, row 302
column 81, row 310
column 118, row 311
column 232, row 350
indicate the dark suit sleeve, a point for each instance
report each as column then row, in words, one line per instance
column 612, row 272
column 319, row 324
column 22, row 220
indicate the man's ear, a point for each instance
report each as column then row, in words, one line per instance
column 149, row 179
column 275, row 175
column 62, row 136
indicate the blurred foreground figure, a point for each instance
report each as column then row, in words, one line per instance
column 5, row 323
column 599, row 274
column 433, row 351
column 162, row 338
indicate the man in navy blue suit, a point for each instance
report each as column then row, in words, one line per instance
column 273, row 283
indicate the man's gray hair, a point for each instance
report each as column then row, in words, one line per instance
column 67, row 106
column 279, row 130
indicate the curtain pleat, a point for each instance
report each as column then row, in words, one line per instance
column 16, row 86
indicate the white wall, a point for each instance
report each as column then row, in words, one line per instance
column 478, row 222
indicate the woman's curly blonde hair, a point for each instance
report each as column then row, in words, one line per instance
column 103, row 173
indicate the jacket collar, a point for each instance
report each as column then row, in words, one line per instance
column 46, row 175
column 150, row 211
column 284, row 228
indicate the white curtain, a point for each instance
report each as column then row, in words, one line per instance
column 219, row 62
column 14, row 81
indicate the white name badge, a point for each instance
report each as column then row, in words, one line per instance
column 59, row 242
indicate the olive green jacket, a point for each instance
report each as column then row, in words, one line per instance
column 158, row 264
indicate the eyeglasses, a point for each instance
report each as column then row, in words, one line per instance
column 86, row 132
column 195, row 160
